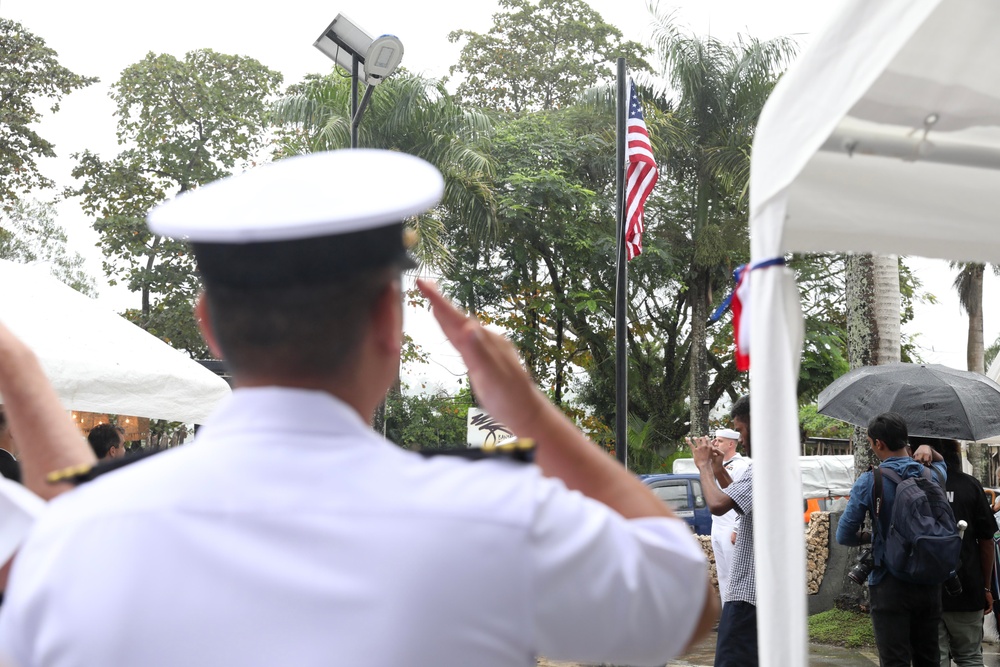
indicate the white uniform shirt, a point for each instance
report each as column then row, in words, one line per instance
column 290, row 534
column 725, row 524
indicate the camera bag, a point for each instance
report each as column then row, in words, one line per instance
column 922, row 544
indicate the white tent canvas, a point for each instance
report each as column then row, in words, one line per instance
column 98, row 361
column 883, row 137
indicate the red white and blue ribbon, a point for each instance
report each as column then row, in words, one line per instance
column 739, row 301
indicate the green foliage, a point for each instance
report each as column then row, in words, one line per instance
column 436, row 420
column 407, row 113
column 991, row 353
column 183, row 123
column 822, row 291
column 821, row 426
column 544, row 280
column 911, row 292
column 644, row 457
column 549, row 282
column 842, row 628
column 30, row 233
column 539, row 55
column 29, row 73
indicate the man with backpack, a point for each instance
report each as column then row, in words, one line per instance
column 915, row 543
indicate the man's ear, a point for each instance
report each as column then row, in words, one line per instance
column 205, row 325
column 387, row 318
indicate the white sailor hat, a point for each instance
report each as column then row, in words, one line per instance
column 302, row 220
column 727, row 433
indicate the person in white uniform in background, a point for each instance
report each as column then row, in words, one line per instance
column 290, row 533
column 724, row 527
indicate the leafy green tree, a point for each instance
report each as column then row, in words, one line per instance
column 539, row 55
column 29, row 73
column 718, row 91
column 821, row 292
column 433, row 421
column 548, row 279
column 183, row 122
column 544, row 279
column 991, row 353
column 30, row 233
column 822, row 288
column 821, row 426
column 411, row 114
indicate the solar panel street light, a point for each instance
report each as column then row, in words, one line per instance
column 368, row 60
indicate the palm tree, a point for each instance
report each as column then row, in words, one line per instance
column 969, row 285
column 718, row 91
column 407, row 113
column 873, row 325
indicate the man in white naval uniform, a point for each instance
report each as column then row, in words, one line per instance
column 289, row 533
column 724, row 526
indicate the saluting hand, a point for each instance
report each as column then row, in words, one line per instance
column 498, row 378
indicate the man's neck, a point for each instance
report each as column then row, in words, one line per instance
column 352, row 396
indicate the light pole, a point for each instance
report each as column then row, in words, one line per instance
column 368, row 60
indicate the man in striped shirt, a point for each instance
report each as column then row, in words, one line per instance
column 736, row 645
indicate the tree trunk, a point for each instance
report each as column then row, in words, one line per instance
column 975, row 355
column 975, row 351
column 862, row 336
column 872, row 325
column 698, row 394
column 872, row 339
column 886, row 273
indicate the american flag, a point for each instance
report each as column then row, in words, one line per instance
column 641, row 173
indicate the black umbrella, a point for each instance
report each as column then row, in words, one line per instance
column 936, row 401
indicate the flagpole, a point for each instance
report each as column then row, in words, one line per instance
column 621, row 359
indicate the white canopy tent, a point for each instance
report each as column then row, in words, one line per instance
column 884, row 137
column 99, row 361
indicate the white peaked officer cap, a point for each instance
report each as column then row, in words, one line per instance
column 303, row 220
column 727, row 433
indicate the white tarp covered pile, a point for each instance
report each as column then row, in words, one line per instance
column 822, row 476
column 97, row 360
column 883, row 137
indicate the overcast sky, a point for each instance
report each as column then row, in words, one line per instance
column 101, row 39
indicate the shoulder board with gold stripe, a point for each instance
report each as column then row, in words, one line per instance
column 77, row 475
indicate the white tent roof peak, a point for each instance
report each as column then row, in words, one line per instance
column 888, row 82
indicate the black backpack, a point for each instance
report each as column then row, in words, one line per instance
column 922, row 544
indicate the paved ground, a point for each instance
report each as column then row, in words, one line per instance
column 819, row 656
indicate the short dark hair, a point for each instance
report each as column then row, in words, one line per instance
column 890, row 428
column 103, row 437
column 948, row 449
column 303, row 330
column 741, row 408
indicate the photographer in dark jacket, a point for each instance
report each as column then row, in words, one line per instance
column 961, row 628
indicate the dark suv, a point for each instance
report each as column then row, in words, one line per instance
column 682, row 494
